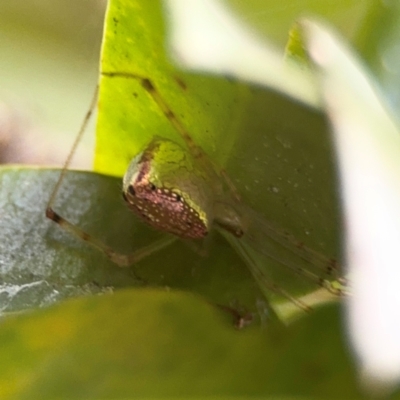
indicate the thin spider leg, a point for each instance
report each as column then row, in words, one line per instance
column 71, row 153
column 196, row 151
column 230, row 185
column 329, row 266
column 258, row 228
column 264, row 283
column 122, row 260
column 299, row 270
column 255, row 236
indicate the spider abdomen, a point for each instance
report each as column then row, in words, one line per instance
column 163, row 188
column 167, row 211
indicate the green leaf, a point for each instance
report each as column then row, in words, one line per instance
column 156, row 344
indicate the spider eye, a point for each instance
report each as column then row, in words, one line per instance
column 152, row 186
column 131, row 190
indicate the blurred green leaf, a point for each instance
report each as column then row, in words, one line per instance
column 274, row 20
column 161, row 345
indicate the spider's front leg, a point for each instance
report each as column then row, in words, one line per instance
column 122, row 260
column 148, row 85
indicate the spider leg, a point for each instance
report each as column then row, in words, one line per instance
column 123, row 260
column 148, row 85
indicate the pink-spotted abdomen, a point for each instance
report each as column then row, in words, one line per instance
column 165, row 210
column 165, row 188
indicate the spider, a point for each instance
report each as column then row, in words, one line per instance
column 179, row 190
